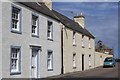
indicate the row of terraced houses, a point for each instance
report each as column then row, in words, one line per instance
column 37, row 41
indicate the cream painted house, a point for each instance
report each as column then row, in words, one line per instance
column 78, row 46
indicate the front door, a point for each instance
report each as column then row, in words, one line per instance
column 34, row 63
column 82, row 62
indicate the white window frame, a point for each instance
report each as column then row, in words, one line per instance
column 50, row 30
column 16, row 57
column 74, row 38
column 35, row 24
column 89, row 44
column 74, row 60
column 83, row 46
column 15, row 19
column 89, row 60
column 50, row 60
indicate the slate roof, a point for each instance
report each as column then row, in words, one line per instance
column 73, row 25
column 102, row 46
column 42, row 8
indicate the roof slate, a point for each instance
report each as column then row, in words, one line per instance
column 73, row 25
column 103, row 47
column 42, row 8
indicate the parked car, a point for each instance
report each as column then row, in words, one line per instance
column 109, row 62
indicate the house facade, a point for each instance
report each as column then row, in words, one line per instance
column 30, row 41
column 38, row 42
column 77, row 45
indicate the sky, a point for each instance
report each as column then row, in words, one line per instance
column 85, row 0
column 101, row 19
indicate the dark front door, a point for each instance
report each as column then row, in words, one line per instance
column 82, row 62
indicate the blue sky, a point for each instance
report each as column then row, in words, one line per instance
column 101, row 19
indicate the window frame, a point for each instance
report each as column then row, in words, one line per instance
column 19, row 60
column 20, row 20
column 83, row 45
column 89, row 44
column 51, row 29
column 74, row 60
column 37, row 25
column 89, row 60
column 50, row 69
column 74, row 38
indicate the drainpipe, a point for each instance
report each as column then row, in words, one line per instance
column 94, row 55
column 62, row 66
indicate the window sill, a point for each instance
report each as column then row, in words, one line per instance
column 90, row 66
column 15, row 73
column 50, row 69
column 50, row 39
column 89, row 47
column 74, row 45
column 74, row 67
column 15, row 31
column 37, row 36
column 83, row 46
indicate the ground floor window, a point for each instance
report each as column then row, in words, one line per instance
column 15, row 59
column 74, row 60
column 50, row 60
column 89, row 60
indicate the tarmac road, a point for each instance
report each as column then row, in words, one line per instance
column 100, row 72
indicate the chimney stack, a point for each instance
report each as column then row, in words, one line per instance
column 80, row 20
column 48, row 3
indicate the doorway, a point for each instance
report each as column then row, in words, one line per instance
column 34, row 63
column 82, row 62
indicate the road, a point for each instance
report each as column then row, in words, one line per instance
column 99, row 72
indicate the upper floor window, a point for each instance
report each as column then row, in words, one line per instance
column 34, row 25
column 50, row 30
column 15, row 60
column 74, row 38
column 83, row 41
column 16, row 19
column 89, row 43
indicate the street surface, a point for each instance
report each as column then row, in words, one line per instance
column 100, row 72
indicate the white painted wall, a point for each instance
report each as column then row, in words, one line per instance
column 25, row 39
column 0, row 40
column 69, row 49
column 99, row 58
